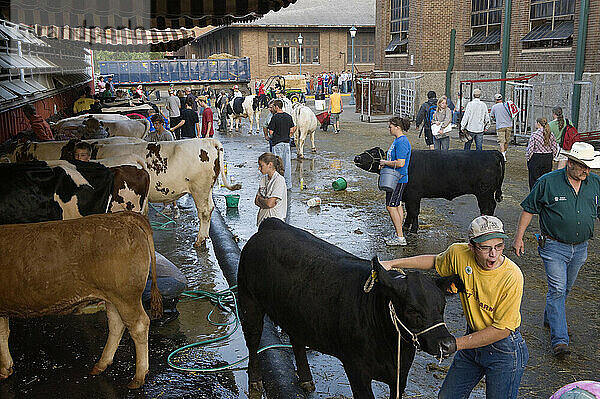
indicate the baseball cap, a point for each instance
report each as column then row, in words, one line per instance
column 498, row 96
column 235, row 86
column 485, row 228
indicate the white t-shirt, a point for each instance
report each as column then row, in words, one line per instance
column 274, row 187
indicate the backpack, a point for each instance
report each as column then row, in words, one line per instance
column 570, row 136
column 429, row 113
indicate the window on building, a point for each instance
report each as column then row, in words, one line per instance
column 284, row 48
column 486, row 17
column 364, row 48
column 551, row 23
column 398, row 27
column 235, row 44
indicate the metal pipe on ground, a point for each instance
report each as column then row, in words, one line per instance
column 279, row 374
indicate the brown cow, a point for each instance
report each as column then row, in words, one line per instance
column 53, row 267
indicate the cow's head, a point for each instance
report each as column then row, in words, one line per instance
column 419, row 301
column 369, row 160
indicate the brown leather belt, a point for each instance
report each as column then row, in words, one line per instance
column 562, row 242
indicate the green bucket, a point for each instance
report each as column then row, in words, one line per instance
column 232, row 200
column 340, row 184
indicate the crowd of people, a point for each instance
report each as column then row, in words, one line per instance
column 324, row 82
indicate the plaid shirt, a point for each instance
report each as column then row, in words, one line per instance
column 536, row 144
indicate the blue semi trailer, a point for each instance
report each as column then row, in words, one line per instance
column 189, row 72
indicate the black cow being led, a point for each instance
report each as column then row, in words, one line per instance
column 445, row 174
column 317, row 293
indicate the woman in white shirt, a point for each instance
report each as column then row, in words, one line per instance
column 271, row 197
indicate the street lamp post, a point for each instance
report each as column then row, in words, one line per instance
column 352, row 34
column 300, row 38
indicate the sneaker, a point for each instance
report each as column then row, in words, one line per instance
column 396, row 241
column 390, row 237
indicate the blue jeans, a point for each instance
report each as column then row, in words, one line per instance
column 502, row 363
column 478, row 137
column 562, row 263
column 441, row 144
column 283, row 150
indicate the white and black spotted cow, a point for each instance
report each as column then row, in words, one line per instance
column 244, row 107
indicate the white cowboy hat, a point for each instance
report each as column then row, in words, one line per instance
column 583, row 153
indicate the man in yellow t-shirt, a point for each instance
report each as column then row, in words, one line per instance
column 491, row 303
column 83, row 103
column 335, row 108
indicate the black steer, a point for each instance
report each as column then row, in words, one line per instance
column 316, row 292
column 445, row 174
column 34, row 192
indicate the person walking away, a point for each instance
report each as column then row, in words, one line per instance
column 504, row 123
column 207, row 93
column 189, row 96
column 271, row 197
column 566, row 201
column 207, row 119
column 161, row 133
column 442, row 117
column 475, row 121
column 40, row 127
column 172, row 105
column 541, row 149
column 190, row 123
column 558, row 127
column 336, row 107
column 281, row 128
column 222, row 103
column 424, row 117
column 493, row 345
column 398, row 157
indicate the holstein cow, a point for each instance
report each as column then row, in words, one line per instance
column 321, row 297
column 51, row 150
column 179, row 167
column 445, row 174
column 114, row 125
column 55, row 267
column 244, row 107
column 34, row 192
column 306, row 123
column 131, row 182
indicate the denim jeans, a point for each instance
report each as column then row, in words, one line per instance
column 441, row 144
column 502, row 363
column 478, row 137
column 562, row 263
column 283, row 150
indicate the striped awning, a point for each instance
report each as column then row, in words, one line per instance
column 134, row 14
column 125, row 39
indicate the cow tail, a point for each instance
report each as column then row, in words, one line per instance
column 221, row 156
column 498, row 194
column 156, row 308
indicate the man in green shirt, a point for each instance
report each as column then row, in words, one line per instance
column 566, row 201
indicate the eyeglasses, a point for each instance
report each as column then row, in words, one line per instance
column 488, row 248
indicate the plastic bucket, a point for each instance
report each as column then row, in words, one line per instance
column 340, row 184
column 388, row 179
column 320, row 105
column 232, row 200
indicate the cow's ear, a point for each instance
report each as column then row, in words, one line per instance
column 450, row 284
column 382, row 276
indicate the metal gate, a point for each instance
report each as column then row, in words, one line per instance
column 523, row 122
column 386, row 97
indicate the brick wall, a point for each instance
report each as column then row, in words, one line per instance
column 429, row 39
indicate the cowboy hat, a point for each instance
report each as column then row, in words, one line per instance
column 584, row 153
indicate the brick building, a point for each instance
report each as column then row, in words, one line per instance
column 271, row 42
column 413, row 37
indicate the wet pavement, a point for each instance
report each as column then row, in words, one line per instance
column 53, row 355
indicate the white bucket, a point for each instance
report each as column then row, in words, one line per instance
column 320, row 105
column 388, row 179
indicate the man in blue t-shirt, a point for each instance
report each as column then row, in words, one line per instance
column 398, row 157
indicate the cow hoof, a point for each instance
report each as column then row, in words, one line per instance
column 135, row 384
column 314, row 149
column 300, row 156
column 96, row 370
column 6, row 373
column 255, row 390
column 200, row 244
column 308, row 386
